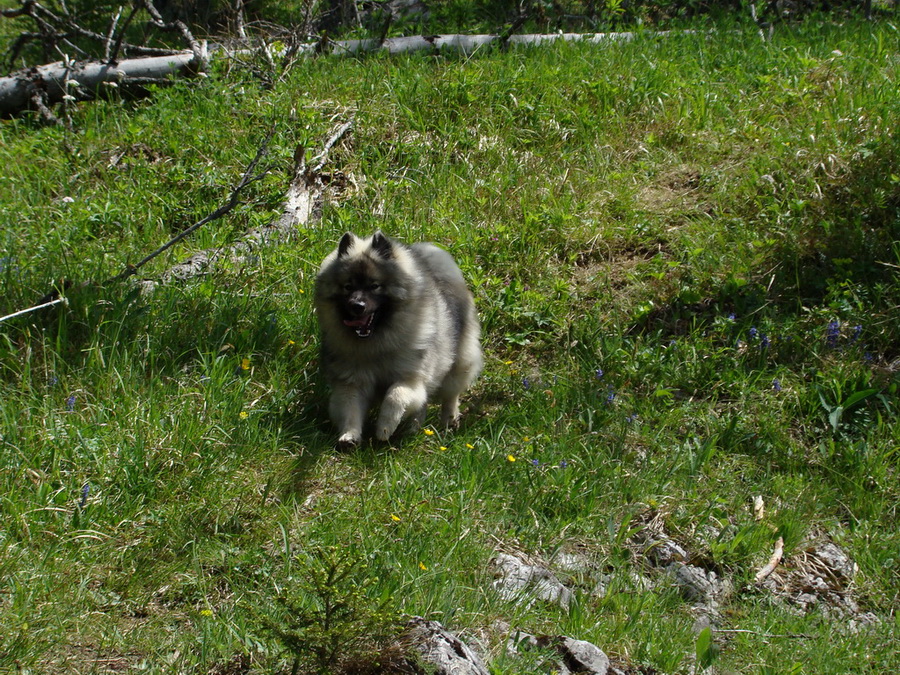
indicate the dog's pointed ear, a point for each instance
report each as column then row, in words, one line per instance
column 382, row 245
column 344, row 246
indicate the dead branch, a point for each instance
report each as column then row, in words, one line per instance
column 197, row 48
column 248, row 178
column 302, row 204
column 773, row 561
column 39, row 306
column 791, row 636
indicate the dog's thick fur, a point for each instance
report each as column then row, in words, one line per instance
column 398, row 325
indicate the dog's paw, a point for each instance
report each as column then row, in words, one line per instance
column 451, row 423
column 348, row 441
column 384, row 433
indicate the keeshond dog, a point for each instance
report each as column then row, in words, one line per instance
column 398, row 327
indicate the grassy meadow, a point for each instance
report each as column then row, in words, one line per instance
column 685, row 254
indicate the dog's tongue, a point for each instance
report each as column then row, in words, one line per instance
column 356, row 323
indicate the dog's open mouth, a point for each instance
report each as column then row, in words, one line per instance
column 362, row 325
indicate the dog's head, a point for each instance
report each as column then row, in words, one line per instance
column 362, row 282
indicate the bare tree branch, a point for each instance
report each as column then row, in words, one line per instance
column 248, row 178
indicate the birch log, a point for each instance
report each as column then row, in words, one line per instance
column 18, row 91
column 55, row 80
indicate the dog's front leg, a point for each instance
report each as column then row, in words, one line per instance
column 348, row 407
column 402, row 399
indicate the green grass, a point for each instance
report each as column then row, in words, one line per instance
column 688, row 215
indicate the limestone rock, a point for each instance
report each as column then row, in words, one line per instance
column 441, row 650
column 519, row 580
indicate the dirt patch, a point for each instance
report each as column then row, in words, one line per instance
column 676, row 189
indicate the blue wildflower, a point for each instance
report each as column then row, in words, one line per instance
column 535, row 462
column 776, row 384
column 731, row 316
column 599, row 374
column 753, row 333
column 70, row 403
column 526, row 383
column 610, row 396
column 764, row 342
column 631, row 418
column 563, row 464
column 857, row 332
column 85, row 491
column 832, row 333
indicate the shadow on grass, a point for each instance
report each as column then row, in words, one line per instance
column 846, row 243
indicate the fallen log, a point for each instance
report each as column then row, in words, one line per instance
column 53, row 81
column 465, row 44
column 48, row 84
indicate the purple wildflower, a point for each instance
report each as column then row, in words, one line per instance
column 776, row 384
column 526, row 383
column 599, row 373
column 535, row 462
column 731, row 316
column 563, row 464
column 857, row 332
column 85, row 491
column 753, row 333
column 70, row 403
column 764, row 342
column 832, row 333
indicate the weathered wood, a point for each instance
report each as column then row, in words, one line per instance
column 465, row 44
column 86, row 79
column 81, row 80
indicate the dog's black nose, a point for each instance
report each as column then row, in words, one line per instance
column 356, row 306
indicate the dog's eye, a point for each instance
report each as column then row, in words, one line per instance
column 374, row 286
column 348, row 287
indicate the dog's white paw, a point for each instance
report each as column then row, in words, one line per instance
column 348, row 440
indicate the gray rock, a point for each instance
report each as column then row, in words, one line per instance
column 662, row 551
column 518, row 580
column 571, row 656
column 698, row 585
column 579, row 656
column 838, row 563
column 442, row 650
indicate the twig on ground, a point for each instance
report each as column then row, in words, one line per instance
column 797, row 636
column 43, row 305
column 246, row 180
column 303, row 197
column 773, row 561
column 322, row 158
